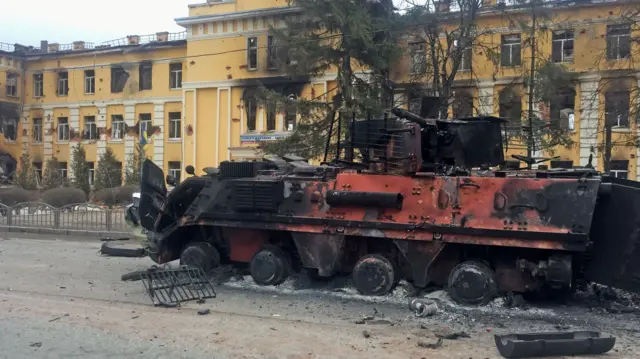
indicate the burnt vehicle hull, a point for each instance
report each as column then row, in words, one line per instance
column 528, row 231
column 411, row 209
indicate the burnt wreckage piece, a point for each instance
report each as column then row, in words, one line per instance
column 554, row 344
column 409, row 198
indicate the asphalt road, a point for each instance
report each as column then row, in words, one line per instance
column 60, row 299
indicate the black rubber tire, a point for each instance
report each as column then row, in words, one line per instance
column 269, row 266
column 374, row 275
column 114, row 249
column 200, row 255
column 472, row 283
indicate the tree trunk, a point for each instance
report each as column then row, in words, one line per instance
column 607, row 148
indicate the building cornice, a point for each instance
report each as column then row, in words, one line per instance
column 103, row 103
column 236, row 15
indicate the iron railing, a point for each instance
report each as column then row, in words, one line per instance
column 74, row 217
column 6, row 47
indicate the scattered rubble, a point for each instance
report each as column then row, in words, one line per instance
column 423, row 308
column 204, row 311
column 451, row 335
column 430, row 345
column 366, row 334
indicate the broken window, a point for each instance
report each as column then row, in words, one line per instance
column 290, row 118
column 117, row 127
column 89, row 82
column 175, row 125
column 37, row 168
column 561, row 110
column 618, row 41
column 62, row 169
column 272, row 53
column 462, row 104
column 119, row 79
column 63, row 83
column 616, row 108
column 90, row 128
column 63, row 129
column 36, row 131
column 417, row 58
column 38, row 85
column 144, row 123
column 251, row 106
column 271, row 117
column 175, row 76
column 175, row 169
column 619, row 169
column 511, row 47
column 92, row 172
column 562, row 49
column 12, row 84
column 252, row 53
column 145, row 73
column 10, row 130
column 511, row 109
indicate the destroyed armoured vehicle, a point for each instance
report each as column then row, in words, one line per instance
column 405, row 198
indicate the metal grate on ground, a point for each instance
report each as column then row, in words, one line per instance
column 168, row 287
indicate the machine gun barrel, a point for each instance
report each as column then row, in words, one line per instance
column 409, row 116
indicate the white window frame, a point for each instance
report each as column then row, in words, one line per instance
column 175, row 76
column 36, row 130
column 63, row 84
column 144, row 125
column 467, row 52
column 92, row 127
column 38, row 84
column 92, row 172
column 616, row 38
column 117, row 128
column 62, row 170
column 617, row 173
column 250, row 49
column 175, row 172
column 563, row 42
column 12, row 84
column 417, row 57
column 89, row 83
column 63, row 129
column 175, row 125
column 511, row 45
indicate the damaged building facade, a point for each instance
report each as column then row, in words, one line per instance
column 194, row 92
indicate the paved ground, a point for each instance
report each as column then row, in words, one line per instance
column 60, row 299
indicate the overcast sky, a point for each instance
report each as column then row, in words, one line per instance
column 64, row 21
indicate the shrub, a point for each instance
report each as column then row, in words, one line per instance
column 80, row 169
column 109, row 171
column 15, row 195
column 59, row 197
column 115, row 196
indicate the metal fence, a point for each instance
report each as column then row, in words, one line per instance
column 73, row 218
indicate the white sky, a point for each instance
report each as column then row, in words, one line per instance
column 64, row 21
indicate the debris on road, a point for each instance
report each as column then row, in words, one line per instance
column 132, row 276
column 366, row 334
column 554, row 344
column 204, row 311
column 114, row 249
column 54, row 319
column 423, row 308
column 430, row 345
column 168, row 287
column 36, row 345
column 452, row 335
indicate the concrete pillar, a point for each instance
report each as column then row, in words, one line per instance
column 589, row 100
column 74, row 124
column 48, row 122
column 26, row 131
column 129, row 141
column 158, row 138
column 101, row 122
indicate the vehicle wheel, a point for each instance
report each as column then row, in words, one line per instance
column 200, row 255
column 472, row 283
column 374, row 274
column 269, row 266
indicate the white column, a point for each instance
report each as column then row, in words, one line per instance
column 485, row 97
column 48, row 122
column 101, row 122
column 129, row 141
column 26, row 131
column 158, row 138
column 589, row 119
column 74, row 124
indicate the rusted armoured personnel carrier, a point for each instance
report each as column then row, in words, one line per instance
column 406, row 198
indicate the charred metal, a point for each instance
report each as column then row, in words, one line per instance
column 405, row 198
